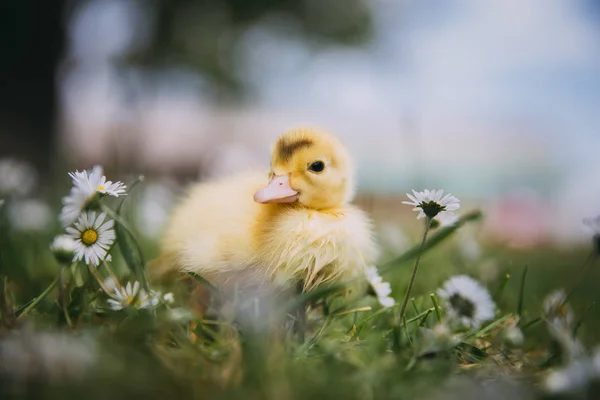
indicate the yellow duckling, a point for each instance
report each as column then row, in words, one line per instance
column 300, row 226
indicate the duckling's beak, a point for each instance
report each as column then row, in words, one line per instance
column 277, row 191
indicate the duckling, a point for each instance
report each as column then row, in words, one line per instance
column 300, row 226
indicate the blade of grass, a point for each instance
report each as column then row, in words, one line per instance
column 424, row 319
column 23, row 311
column 407, row 334
column 436, row 305
column 433, row 241
column 486, row 329
column 521, row 292
column 414, row 305
column 583, row 316
column 421, row 315
column 130, row 248
column 531, row 323
column 501, row 288
column 310, row 296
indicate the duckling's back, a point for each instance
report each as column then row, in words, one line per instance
column 209, row 232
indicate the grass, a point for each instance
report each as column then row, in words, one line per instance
column 58, row 338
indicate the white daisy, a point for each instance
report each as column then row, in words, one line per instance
column 558, row 312
column 132, row 296
column 17, row 177
column 468, row 301
column 559, row 319
column 513, row 336
column 431, row 204
column 573, row 377
column 93, row 237
column 63, row 248
column 86, row 185
column 169, row 298
column 382, row 289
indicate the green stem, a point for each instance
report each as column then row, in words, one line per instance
column 62, row 294
column 111, row 273
column 436, row 305
column 98, row 278
column 39, row 298
column 414, row 270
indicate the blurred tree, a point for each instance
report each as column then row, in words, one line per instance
column 31, row 39
column 203, row 34
column 200, row 34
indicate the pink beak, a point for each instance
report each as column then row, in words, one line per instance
column 277, row 191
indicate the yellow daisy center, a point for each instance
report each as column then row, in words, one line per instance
column 130, row 300
column 89, row 237
column 100, row 188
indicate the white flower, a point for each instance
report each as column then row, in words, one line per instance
column 93, row 237
column 110, row 284
column 571, row 378
column 132, row 296
column 63, row 248
column 16, row 177
column 169, row 298
column 431, row 203
column 576, row 375
column 558, row 312
column 560, row 318
column 382, row 289
column 513, row 336
column 85, row 187
column 468, row 302
column 30, row 215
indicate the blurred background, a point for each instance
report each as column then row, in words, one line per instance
column 497, row 102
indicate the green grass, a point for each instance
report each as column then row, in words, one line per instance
column 323, row 344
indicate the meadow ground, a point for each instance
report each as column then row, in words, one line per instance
column 67, row 329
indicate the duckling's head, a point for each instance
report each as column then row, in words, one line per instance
column 310, row 167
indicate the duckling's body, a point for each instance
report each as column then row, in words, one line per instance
column 237, row 231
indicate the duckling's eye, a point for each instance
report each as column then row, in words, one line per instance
column 317, row 166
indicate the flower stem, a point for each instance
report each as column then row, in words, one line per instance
column 39, row 298
column 436, row 305
column 414, row 270
column 111, row 273
column 99, row 279
column 63, row 294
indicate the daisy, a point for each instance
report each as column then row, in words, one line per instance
column 132, row 296
column 169, row 298
column 63, row 248
column 93, row 237
column 381, row 289
column 431, row 203
column 558, row 312
column 86, row 185
column 468, row 302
